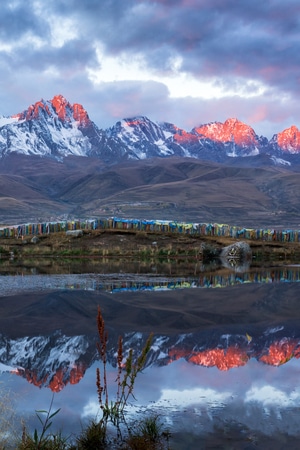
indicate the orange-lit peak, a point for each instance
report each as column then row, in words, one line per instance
column 59, row 380
column 62, row 377
column 60, row 104
column 281, row 352
column 80, row 114
column 57, row 383
column 33, row 111
column 182, row 136
column 64, row 110
column 134, row 122
column 77, row 373
column 223, row 359
column 31, row 377
column 289, row 139
column 229, row 131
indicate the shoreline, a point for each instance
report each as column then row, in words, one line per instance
column 136, row 244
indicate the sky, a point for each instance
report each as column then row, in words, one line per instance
column 188, row 62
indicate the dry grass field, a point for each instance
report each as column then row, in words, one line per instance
column 139, row 245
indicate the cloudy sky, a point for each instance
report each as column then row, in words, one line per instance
column 187, row 62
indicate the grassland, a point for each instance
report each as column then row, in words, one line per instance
column 138, row 245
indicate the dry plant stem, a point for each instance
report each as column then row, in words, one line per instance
column 124, row 386
column 101, row 346
column 119, row 364
column 131, row 371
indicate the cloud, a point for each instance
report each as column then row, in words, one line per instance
column 213, row 38
column 73, row 54
column 271, row 396
column 18, row 19
column 187, row 397
column 182, row 61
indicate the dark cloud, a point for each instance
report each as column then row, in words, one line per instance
column 214, row 38
column 236, row 45
column 18, row 18
column 74, row 54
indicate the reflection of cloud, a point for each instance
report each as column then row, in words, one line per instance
column 91, row 409
column 271, row 396
column 188, row 397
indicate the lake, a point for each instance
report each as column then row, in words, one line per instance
column 224, row 363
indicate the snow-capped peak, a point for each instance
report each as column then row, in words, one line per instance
column 56, row 128
column 7, row 120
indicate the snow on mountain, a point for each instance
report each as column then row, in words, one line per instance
column 7, row 120
column 288, row 140
column 238, row 138
column 51, row 361
column 55, row 128
column 143, row 137
column 54, row 361
column 46, row 128
column 232, row 130
column 280, row 161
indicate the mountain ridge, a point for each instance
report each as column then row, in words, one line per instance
column 56, row 128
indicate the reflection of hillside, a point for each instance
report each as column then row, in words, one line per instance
column 119, row 282
column 66, row 360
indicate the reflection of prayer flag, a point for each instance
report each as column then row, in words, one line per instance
column 249, row 338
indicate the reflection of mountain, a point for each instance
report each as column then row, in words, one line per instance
column 57, row 360
column 51, row 361
column 275, row 352
column 56, row 381
column 49, row 336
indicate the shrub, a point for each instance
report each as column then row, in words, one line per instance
column 94, row 436
column 148, row 435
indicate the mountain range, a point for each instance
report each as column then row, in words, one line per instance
column 55, row 162
column 58, row 129
column 57, row 360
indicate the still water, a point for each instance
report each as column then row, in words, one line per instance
column 224, row 356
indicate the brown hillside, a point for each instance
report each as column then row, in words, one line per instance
column 172, row 188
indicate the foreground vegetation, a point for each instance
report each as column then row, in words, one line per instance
column 112, row 429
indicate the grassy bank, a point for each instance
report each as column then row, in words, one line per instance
column 128, row 244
